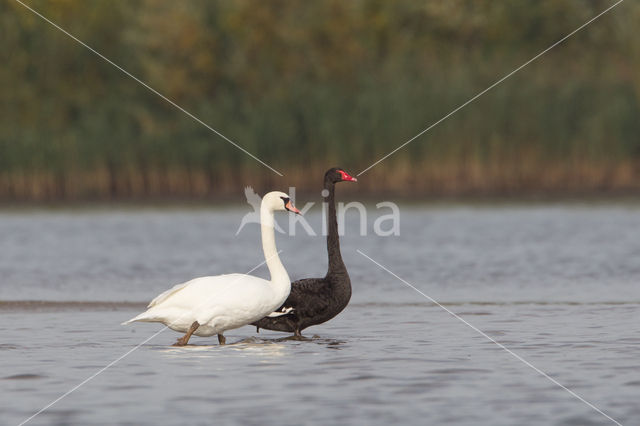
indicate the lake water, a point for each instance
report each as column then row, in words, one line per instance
column 559, row 285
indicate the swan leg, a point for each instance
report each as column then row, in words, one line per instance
column 297, row 333
column 221, row 339
column 185, row 339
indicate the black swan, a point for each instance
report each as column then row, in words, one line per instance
column 316, row 300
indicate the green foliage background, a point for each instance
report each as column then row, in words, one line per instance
column 306, row 85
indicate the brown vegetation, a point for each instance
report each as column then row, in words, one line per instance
column 310, row 85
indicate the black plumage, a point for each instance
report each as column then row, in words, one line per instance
column 317, row 300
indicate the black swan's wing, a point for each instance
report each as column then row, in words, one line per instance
column 308, row 298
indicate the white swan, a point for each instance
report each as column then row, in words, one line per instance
column 211, row 305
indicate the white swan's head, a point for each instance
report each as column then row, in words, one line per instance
column 276, row 200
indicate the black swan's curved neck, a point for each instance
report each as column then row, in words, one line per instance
column 333, row 243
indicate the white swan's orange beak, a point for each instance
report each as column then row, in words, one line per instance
column 289, row 206
column 347, row 177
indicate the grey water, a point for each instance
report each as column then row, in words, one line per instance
column 558, row 285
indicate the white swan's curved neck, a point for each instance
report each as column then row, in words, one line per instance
column 279, row 276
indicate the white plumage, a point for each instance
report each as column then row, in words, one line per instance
column 219, row 303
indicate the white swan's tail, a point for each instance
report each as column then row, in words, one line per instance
column 143, row 317
column 129, row 322
column 148, row 316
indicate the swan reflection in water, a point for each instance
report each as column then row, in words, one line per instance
column 269, row 347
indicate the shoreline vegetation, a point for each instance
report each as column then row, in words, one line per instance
column 318, row 84
column 429, row 182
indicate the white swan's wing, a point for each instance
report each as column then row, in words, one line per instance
column 232, row 300
column 165, row 295
column 199, row 291
column 235, row 298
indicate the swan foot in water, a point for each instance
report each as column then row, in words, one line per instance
column 221, row 339
column 185, row 339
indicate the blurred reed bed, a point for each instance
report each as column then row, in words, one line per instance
column 437, row 179
column 316, row 84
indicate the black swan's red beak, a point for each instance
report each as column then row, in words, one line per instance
column 347, row 177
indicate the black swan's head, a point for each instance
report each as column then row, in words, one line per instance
column 336, row 174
